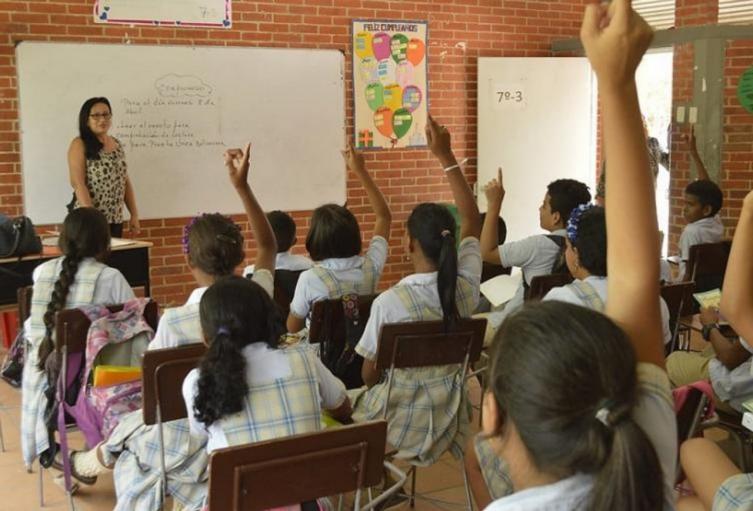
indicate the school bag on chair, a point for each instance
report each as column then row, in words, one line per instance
column 114, row 338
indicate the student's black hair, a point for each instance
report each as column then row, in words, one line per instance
column 591, row 241
column 501, row 229
column 85, row 233
column 565, row 195
column 234, row 312
column 708, row 194
column 92, row 145
column 283, row 226
column 585, row 365
column 215, row 244
column 432, row 226
column 334, row 233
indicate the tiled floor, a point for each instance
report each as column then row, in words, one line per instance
column 19, row 489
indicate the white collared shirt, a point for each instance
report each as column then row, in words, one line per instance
column 285, row 261
column 735, row 386
column 705, row 230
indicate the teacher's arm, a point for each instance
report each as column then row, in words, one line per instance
column 77, row 172
column 130, row 202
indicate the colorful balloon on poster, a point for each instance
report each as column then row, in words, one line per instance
column 375, row 95
column 383, row 121
column 368, row 69
column 398, row 47
column 386, row 72
column 393, row 96
column 416, row 51
column 380, row 45
column 363, row 45
column 404, row 73
column 401, row 122
column 412, row 97
column 745, row 90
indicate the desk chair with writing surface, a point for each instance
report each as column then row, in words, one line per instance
column 679, row 299
column 542, row 284
column 301, row 468
column 71, row 332
column 163, row 372
column 427, row 343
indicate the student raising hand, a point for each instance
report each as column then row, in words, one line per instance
column 237, row 164
column 355, row 161
column 495, row 194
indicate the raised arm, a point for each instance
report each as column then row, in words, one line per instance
column 237, row 163
column 77, row 172
column 439, row 143
column 495, row 194
column 737, row 297
column 355, row 162
column 703, row 174
column 615, row 39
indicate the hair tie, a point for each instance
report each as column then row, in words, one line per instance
column 445, row 233
column 187, row 232
column 574, row 221
column 609, row 414
column 223, row 330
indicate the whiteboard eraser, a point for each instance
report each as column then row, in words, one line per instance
column 693, row 115
column 680, row 114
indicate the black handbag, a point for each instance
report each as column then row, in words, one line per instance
column 17, row 237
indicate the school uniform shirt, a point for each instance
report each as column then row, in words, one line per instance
column 285, row 261
column 735, row 494
column 654, row 413
column 270, row 368
column 94, row 284
column 735, row 386
column 311, row 288
column 535, row 255
column 705, row 230
column 179, row 326
column 570, row 294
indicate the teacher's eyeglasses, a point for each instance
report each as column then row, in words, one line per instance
column 99, row 117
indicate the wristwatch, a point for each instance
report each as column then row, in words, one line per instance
column 706, row 331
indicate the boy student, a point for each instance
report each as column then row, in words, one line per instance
column 538, row 254
column 284, row 228
column 703, row 200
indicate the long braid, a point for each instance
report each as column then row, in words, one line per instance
column 57, row 303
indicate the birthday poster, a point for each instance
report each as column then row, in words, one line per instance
column 389, row 83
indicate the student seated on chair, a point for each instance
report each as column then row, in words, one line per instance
column 75, row 279
column 579, row 414
column 334, row 243
column 586, row 256
column 703, row 200
column 539, row 254
column 428, row 410
column 214, row 249
column 284, row 228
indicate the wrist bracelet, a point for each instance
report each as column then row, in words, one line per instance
column 451, row 167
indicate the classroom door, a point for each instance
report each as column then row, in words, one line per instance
column 537, row 120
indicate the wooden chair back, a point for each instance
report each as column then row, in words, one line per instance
column 707, row 264
column 541, row 285
column 297, row 469
column 23, row 299
column 163, row 372
column 285, row 283
column 328, row 319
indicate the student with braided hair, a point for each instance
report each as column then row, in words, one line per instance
column 75, row 279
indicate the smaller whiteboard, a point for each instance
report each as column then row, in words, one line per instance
column 179, row 13
column 536, row 119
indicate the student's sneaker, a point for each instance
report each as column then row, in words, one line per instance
column 59, row 480
column 57, row 464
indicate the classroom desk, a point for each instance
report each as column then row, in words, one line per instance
column 132, row 260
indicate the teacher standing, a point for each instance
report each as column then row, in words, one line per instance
column 97, row 167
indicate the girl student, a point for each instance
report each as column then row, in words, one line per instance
column 428, row 410
column 248, row 388
column 75, row 279
column 334, row 244
column 593, row 426
column 214, row 249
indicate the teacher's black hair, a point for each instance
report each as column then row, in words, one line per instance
column 92, row 145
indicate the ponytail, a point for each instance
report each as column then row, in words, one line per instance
column 447, row 278
column 222, row 379
column 57, row 303
column 630, row 478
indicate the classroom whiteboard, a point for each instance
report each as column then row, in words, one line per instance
column 536, row 119
column 175, row 110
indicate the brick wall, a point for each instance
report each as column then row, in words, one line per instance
column 459, row 31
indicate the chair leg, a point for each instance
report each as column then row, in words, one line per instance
column 468, row 500
column 2, row 440
column 412, row 500
column 40, row 486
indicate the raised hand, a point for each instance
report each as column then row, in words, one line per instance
column 354, row 159
column 237, row 163
column 494, row 189
column 439, row 141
